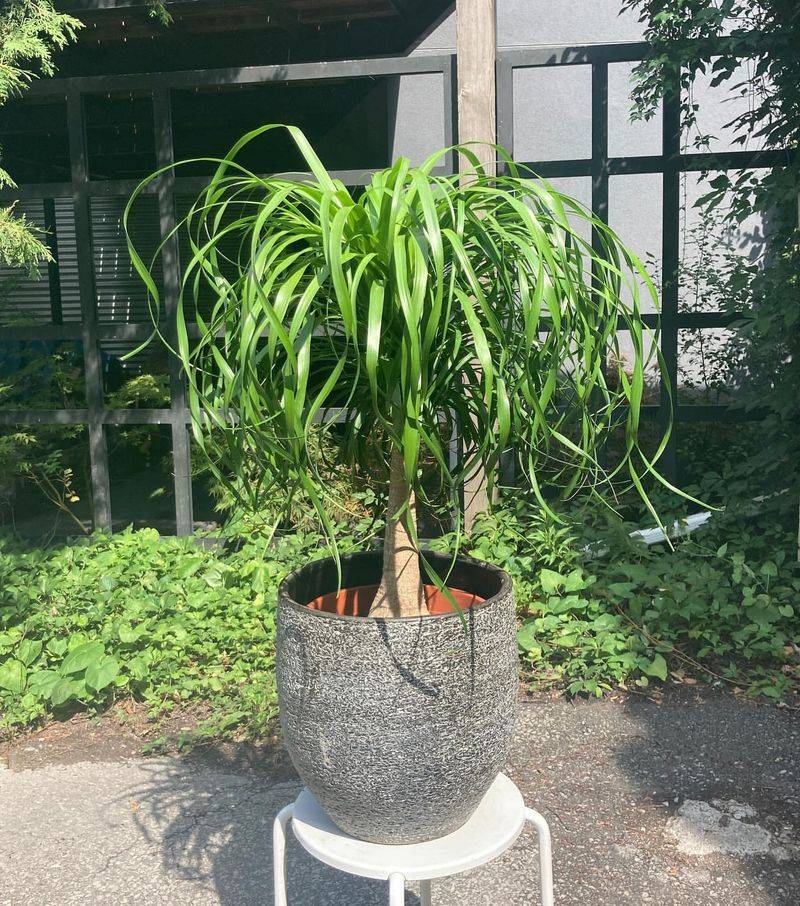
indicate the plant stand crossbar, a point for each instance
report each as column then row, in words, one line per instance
column 492, row 829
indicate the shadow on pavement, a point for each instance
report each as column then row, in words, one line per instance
column 694, row 800
column 211, row 816
column 725, row 772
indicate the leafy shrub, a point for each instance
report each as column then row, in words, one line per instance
column 723, row 605
column 135, row 614
column 169, row 623
column 53, row 460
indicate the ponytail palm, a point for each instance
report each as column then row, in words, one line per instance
column 416, row 306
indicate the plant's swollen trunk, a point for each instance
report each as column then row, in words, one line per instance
column 400, row 593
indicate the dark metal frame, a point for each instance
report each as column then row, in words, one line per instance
column 159, row 85
column 600, row 166
column 671, row 163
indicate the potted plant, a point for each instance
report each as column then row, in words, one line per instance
column 417, row 305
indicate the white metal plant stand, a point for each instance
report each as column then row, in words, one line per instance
column 492, row 829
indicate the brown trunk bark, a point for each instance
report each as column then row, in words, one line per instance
column 400, row 593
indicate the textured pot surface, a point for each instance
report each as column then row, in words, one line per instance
column 398, row 727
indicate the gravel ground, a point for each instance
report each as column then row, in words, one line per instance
column 691, row 801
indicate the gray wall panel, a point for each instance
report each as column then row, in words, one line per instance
column 626, row 138
column 417, row 127
column 552, row 113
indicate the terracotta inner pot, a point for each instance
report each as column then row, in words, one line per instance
column 356, row 601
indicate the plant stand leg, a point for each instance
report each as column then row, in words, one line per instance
column 397, row 890
column 282, row 819
column 424, row 893
column 545, row 854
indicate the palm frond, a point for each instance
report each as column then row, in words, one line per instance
column 412, row 305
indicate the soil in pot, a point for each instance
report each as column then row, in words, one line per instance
column 356, row 602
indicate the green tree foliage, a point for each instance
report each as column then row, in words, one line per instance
column 159, row 12
column 691, row 38
column 31, row 32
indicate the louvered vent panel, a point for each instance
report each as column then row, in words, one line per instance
column 121, row 294
column 67, row 260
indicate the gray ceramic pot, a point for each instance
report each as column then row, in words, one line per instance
column 398, row 727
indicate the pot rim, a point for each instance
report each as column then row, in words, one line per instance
column 506, row 586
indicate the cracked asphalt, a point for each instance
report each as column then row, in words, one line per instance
column 691, row 801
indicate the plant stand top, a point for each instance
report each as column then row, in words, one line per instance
column 492, row 829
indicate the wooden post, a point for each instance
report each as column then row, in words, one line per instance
column 476, row 47
column 476, row 24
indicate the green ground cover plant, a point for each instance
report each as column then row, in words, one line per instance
column 174, row 625
column 160, row 619
column 721, row 607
